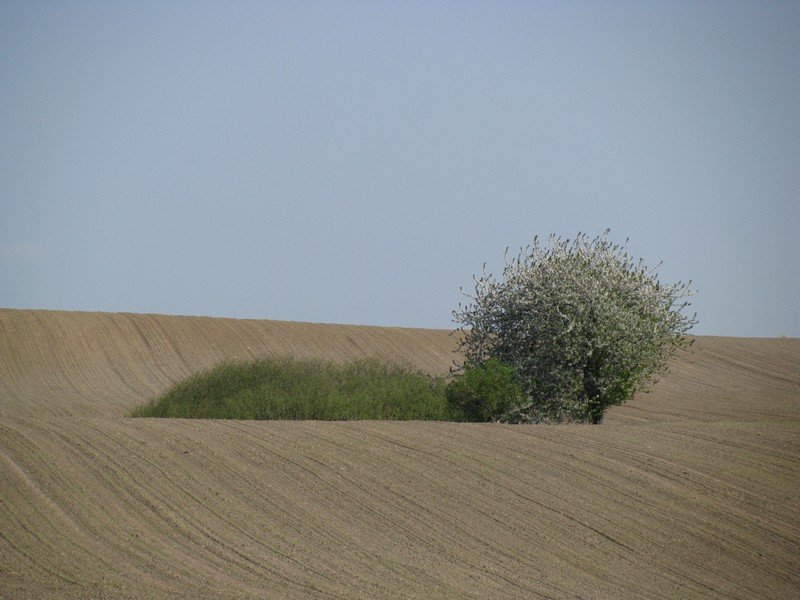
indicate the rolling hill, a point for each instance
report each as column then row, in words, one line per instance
column 690, row 490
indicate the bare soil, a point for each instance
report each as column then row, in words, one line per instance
column 689, row 491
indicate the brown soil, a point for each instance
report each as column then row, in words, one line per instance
column 692, row 490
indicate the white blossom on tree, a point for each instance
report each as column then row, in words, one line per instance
column 582, row 325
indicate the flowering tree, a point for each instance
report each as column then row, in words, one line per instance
column 582, row 325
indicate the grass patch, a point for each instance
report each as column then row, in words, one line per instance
column 288, row 388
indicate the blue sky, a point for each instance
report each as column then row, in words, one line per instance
column 358, row 162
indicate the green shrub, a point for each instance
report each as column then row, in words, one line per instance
column 483, row 392
column 287, row 388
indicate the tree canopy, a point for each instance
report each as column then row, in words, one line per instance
column 581, row 323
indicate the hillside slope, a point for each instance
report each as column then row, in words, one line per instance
column 692, row 490
column 102, row 364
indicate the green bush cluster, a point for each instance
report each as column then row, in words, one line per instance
column 295, row 389
column 288, row 388
column 483, row 392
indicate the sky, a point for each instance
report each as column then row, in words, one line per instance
column 358, row 162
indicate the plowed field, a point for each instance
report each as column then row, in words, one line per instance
column 689, row 491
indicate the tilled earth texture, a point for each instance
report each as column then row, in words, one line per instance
column 689, row 491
